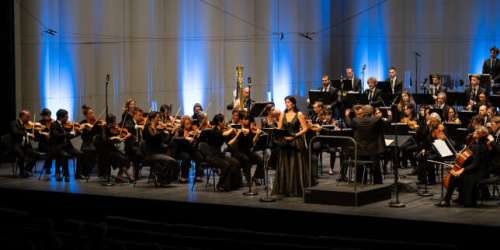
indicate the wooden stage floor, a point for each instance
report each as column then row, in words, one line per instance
column 417, row 208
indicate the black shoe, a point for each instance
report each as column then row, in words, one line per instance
column 443, row 203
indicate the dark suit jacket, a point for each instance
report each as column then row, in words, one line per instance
column 368, row 134
column 377, row 99
column 59, row 138
column 495, row 155
column 441, row 88
column 17, row 132
column 398, row 88
column 495, row 71
column 333, row 95
column 353, row 86
column 468, row 94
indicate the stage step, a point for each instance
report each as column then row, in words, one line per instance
column 343, row 194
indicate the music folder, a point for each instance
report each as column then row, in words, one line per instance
column 442, row 148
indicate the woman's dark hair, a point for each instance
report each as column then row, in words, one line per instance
column 45, row 112
column 61, row 113
column 294, row 102
column 197, row 105
column 85, row 109
column 165, row 107
column 218, row 118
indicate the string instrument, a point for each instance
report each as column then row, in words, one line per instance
column 90, row 124
column 119, row 134
column 412, row 124
column 460, row 160
column 34, row 126
column 72, row 126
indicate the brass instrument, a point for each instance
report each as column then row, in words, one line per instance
column 238, row 101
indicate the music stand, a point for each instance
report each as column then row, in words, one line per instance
column 421, row 99
column 318, row 96
column 259, row 109
column 456, row 99
column 465, row 116
column 396, row 128
column 337, row 84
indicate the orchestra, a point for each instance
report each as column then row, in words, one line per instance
column 171, row 144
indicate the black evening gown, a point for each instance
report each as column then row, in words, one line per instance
column 293, row 172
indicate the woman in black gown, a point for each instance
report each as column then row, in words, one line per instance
column 293, row 172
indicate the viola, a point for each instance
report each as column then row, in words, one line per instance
column 462, row 157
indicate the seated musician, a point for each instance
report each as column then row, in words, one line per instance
column 482, row 100
column 197, row 110
column 354, row 83
column 483, row 114
column 241, row 148
column 494, row 141
column 368, row 133
column 61, row 132
column 162, row 164
column 43, row 139
column 132, row 150
column 404, row 100
column 410, row 147
column 166, row 113
column 87, row 159
column 452, row 116
column 333, row 93
column 235, row 117
column 440, row 102
column 492, row 112
column 229, row 167
column 395, row 84
column 21, row 143
column 466, row 179
column 473, row 91
column 374, row 94
column 436, row 86
column 426, row 134
column 318, row 119
column 185, row 139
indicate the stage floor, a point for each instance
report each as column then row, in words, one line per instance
column 417, row 208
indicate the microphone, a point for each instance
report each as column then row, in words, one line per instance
column 108, row 78
column 364, row 67
column 416, row 53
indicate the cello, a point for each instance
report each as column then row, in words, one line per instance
column 460, row 160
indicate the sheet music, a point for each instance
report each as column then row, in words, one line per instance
column 442, row 148
column 388, row 142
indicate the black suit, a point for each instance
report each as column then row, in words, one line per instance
column 434, row 91
column 61, row 147
column 25, row 155
column 398, row 87
column 353, row 84
column 493, row 71
column 495, row 155
column 333, row 96
column 369, row 136
column 375, row 99
column 469, row 95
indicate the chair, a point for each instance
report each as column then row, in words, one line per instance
column 493, row 182
column 6, row 154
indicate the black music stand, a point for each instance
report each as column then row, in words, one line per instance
column 456, row 99
column 396, row 129
column 422, row 99
column 466, row 116
column 259, row 109
column 351, row 98
column 319, row 96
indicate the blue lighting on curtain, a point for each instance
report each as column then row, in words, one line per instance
column 57, row 72
column 484, row 27
column 192, row 58
column 369, row 46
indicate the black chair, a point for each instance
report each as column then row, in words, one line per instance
column 491, row 182
column 6, row 154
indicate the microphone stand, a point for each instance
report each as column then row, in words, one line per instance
column 108, row 182
column 417, row 55
column 266, row 167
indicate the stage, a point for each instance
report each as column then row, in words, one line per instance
column 178, row 203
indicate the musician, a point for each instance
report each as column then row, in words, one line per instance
column 163, row 165
column 333, row 93
column 368, row 133
column 466, row 180
column 271, row 121
column 87, row 159
column 354, row 83
column 452, row 116
column 405, row 100
column 373, row 93
column 43, row 139
column 61, row 132
column 132, row 148
column 319, row 118
column 197, row 110
column 247, row 101
column 293, row 173
column 185, row 139
column 494, row 140
column 409, row 147
column 473, row 91
column 229, row 167
column 440, row 105
column 432, row 129
column 492, row 112
column 395, row 84
column 21, row 146
column 166, row 113
column 436, row 86
column 482, row 100
column 492, row 65
column 241, row 148
column 235, row 117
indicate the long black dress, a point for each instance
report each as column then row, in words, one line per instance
column 293, row 172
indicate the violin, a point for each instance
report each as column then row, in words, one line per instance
column 72, row 125
column 34, row 126
column 119, row 133
column 412, row 124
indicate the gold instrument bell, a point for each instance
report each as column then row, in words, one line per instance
column 238, row 100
